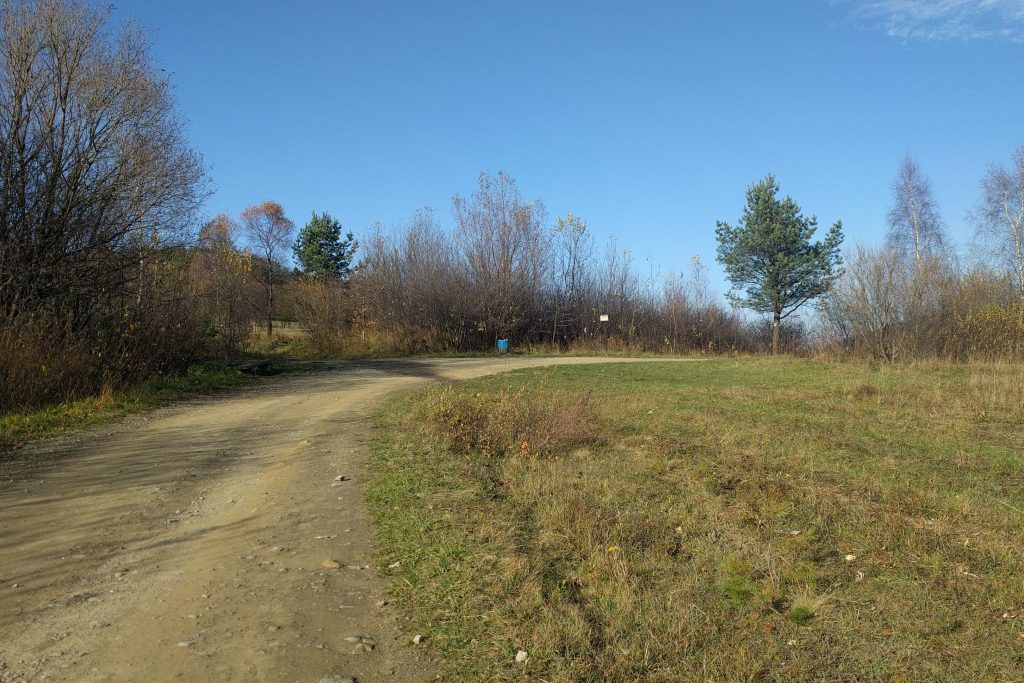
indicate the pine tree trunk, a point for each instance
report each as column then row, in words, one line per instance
column 776, row 327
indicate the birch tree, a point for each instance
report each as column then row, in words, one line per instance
column 915, row 226
column 999, row 216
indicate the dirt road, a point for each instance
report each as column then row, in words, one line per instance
column 190, row 544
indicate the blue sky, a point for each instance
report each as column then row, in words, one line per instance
column 649, row 119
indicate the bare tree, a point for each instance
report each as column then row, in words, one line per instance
column 572, row 256
column 676, row 309
column 416, row 285
column 915, row 226
column 867, row 306
column 94, row 168
column 618, row 291
column 506, row 248
column 999, row 216
column 424, row 287
column 270, row 231
column 98, row 187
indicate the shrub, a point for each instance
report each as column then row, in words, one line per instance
column 508, row 422
column 321, row 305
column 46, row 358
column 993, row 332
column 40, row 364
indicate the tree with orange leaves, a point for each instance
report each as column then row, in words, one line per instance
column 270, row 232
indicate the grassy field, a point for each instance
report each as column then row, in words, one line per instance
column 730, row 520
column 17, row 428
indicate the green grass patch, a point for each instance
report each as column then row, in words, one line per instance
column 737, row 519
column 17, row 428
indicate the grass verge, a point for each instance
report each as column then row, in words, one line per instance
column 17, row 428
column 738, row 519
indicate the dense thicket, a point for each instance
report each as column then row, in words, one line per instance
column 500, row 272
column 889, row 308
column 96, row 184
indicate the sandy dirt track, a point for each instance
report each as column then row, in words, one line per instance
column 188, row 544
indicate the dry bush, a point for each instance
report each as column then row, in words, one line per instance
column 888, row 309
column 372, row 341
column 325, row 311
column 222, row 286
column 993, row 332
column 45, row 359
column 40, row 364
column 507, row 422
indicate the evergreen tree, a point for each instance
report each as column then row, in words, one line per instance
column 322, row 252
column 769, row 257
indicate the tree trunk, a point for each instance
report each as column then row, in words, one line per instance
column 776, row 327
column 1019, row 247
column 270, row 298
column 916, row 226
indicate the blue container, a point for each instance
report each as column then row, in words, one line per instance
column 503, row 346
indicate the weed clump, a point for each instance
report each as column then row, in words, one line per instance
column 506, row 422
column 801, row 615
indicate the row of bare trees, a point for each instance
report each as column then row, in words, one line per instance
column 501, row 272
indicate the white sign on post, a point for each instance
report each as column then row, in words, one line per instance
column 604, row 317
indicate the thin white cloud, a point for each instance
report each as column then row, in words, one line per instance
column 1001, row 20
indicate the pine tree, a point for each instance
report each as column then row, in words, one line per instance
column 322, row 252
column 769, row 257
